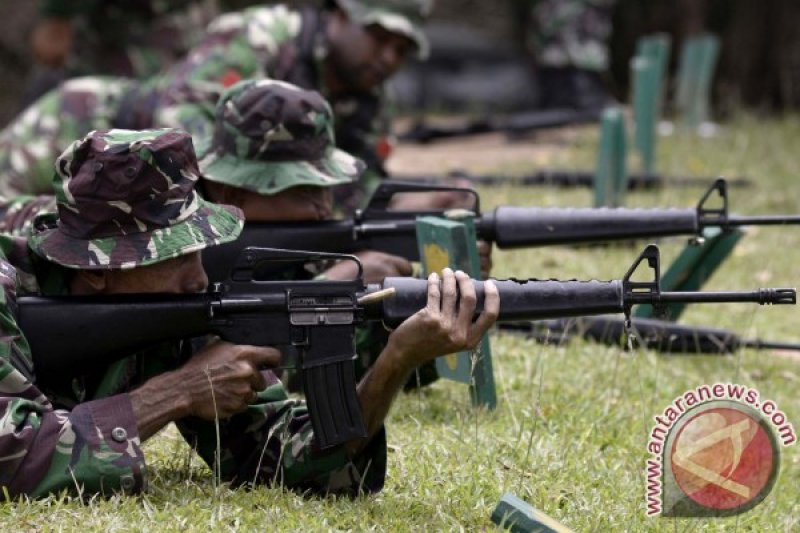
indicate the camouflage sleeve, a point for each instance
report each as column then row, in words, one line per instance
column 17, row 215
column 272, row 443
column 236, row 46
column 31, row 143
column 92, row 449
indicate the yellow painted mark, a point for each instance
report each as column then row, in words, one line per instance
column 436, row 259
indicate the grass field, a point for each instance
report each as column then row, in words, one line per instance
column 570, row 430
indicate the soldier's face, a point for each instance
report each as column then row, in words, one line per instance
column 365, row 57
column 294, row 204
column 180, row 275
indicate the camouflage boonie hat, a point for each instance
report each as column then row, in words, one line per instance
column 270, row 135
column 405, row 17
column 127, row 199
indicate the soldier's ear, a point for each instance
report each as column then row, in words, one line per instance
column 90, row 281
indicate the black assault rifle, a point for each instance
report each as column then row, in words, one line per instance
column 571, row 178
column 658, row 335
column 316, row 320
column 379, row 228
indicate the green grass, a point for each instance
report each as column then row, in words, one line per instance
column 570, row 429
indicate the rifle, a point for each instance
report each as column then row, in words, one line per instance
column 514, row 125
column 379, row 228
column 315, row 319
column 570, row 178
column 658, row 335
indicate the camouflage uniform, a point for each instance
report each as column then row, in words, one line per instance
column 126, row 199
column 17, row 215
column 569, row 41
column 296, row 148
column 36, row 138
column 572, row 33
column 261, row 42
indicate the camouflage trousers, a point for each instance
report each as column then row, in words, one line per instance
column 30, row 144
column 571, row 33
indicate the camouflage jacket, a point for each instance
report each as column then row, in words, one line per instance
column 17, row 215
column 82, row 432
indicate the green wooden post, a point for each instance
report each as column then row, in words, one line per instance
column 695, row 264
column 645, row 112
column 451, row 243
column 656, row 48
column 518, row 516
column 610, row 181
column 695, row 75
column 688, row 68
column 708, row 63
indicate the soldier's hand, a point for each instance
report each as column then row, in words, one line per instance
column 377, row 265
column 52, row 41
column 443, row 327
column 485, row 256
column 223, row 378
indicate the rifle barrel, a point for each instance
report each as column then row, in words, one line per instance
column 758, row 344
column 783, row 296
column 763, row 220
column 658, row 335
column 572, row 178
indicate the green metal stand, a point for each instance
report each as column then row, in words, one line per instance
column 451, row 243
column 656, row 49
column 645, row 103
column 695, row 73
column 611, row 177
column 695, row 264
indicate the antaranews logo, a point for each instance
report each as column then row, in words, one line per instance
column 715, row 451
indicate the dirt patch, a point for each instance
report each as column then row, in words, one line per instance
column 486, row 153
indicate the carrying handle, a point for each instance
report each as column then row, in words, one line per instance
column 378, row 206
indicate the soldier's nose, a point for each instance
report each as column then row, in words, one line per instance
column 195, row 278
column 199, row 282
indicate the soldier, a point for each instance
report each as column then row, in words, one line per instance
column 273, row 154
column 346, row 51
column 569, row 39
column 129, row 221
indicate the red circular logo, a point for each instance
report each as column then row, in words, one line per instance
column 723, row 458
